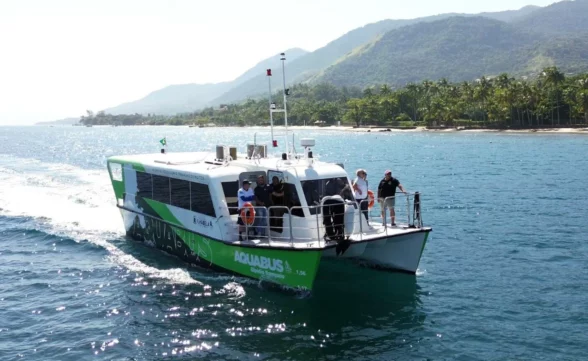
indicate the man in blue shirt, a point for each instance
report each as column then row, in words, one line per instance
column 244, row 195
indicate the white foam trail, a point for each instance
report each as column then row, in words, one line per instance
column 75, row 203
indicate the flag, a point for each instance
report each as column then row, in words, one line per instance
column 163, row 142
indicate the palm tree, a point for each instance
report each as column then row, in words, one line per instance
column 553, row 78
column 582, row 98
column 413, row 91
column 482, row 92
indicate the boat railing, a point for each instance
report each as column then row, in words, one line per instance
column 407, row 209
column 306, row 225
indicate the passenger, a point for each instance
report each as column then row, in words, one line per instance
column 244, row 195
column 333, row 187
column 278, row 200
column 262, row 201
column 345, row 192
column 387, row 195
column 360, row 186
column 311, row 193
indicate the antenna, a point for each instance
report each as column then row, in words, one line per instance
column 271, row 105
column 283, row 59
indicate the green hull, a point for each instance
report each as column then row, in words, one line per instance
column 286, row 267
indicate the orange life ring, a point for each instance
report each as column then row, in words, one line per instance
column 248, row 219
column 372, row 199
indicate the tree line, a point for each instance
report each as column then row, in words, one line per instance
column 550, row 100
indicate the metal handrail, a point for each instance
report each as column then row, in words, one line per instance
column 293, row 233
column 414, row 219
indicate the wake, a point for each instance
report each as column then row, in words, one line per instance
column 72, row 202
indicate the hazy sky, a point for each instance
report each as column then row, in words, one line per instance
column 61, row 57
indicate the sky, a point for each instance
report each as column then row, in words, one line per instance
column 59, row 58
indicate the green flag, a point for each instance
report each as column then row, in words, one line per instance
column 163, row 142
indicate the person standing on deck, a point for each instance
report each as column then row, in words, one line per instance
column 278, row 200
column 262, row 201
column 244, row 195
column 387, row 194
column 360, row 186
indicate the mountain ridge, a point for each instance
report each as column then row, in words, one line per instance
column 179, row 98
column 531, row 50
column 458, row 49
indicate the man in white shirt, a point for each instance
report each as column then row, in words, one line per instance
column 360, row 188
column 244, row 195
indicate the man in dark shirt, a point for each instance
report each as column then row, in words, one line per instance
column 262, row 201
column 386, row 189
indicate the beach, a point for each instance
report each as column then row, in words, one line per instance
column 369, row 129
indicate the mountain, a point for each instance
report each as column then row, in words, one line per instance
column 302, row 68
column 189, row 97
column 173, row 99
column 458, row 48
column 455, row 46
column 311, row 64
column 65, row 121
column 566, row 17
column 510, row 15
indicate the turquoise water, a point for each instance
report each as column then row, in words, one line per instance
column 503, row 277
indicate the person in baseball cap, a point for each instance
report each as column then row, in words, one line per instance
column 387, row 195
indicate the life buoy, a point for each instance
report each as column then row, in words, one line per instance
column 372, row 199
column 248, row 214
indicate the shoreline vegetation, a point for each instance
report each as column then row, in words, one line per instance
column 377, row 130
column 551, row 102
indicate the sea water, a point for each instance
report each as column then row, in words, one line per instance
column 503, row 277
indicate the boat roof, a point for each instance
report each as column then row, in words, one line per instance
column 204, row 165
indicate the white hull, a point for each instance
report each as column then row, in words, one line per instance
column 400, row 252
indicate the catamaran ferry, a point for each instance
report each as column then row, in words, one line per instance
column 186, row 204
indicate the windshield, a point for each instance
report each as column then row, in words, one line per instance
column 315, row 190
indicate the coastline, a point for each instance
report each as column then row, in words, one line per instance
column 378, row 129
column 448, row 130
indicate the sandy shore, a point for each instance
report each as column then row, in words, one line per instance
column 449, row 130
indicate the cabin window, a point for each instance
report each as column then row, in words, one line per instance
column 161, row 189
column 180, row 193
column 230, row 189
column 292, row 200
column 144, row 185
column 315, row 190
column 201, row 200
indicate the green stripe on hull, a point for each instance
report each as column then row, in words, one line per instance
column 423, row 247
column 291, row 268
column 287, row 267
column 163, row 212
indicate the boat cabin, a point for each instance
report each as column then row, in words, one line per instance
column 198, row 191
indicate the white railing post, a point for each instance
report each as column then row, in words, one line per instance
column 408, row 209
column 360, row 223
column 318, row 233
column 290, row 224
column 267, row 226
column 385, row 215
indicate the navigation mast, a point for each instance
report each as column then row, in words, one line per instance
column 283, row 59
column 272, row 105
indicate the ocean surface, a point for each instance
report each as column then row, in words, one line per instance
column 503, row 277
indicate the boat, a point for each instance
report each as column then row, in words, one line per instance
column 186, row 204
